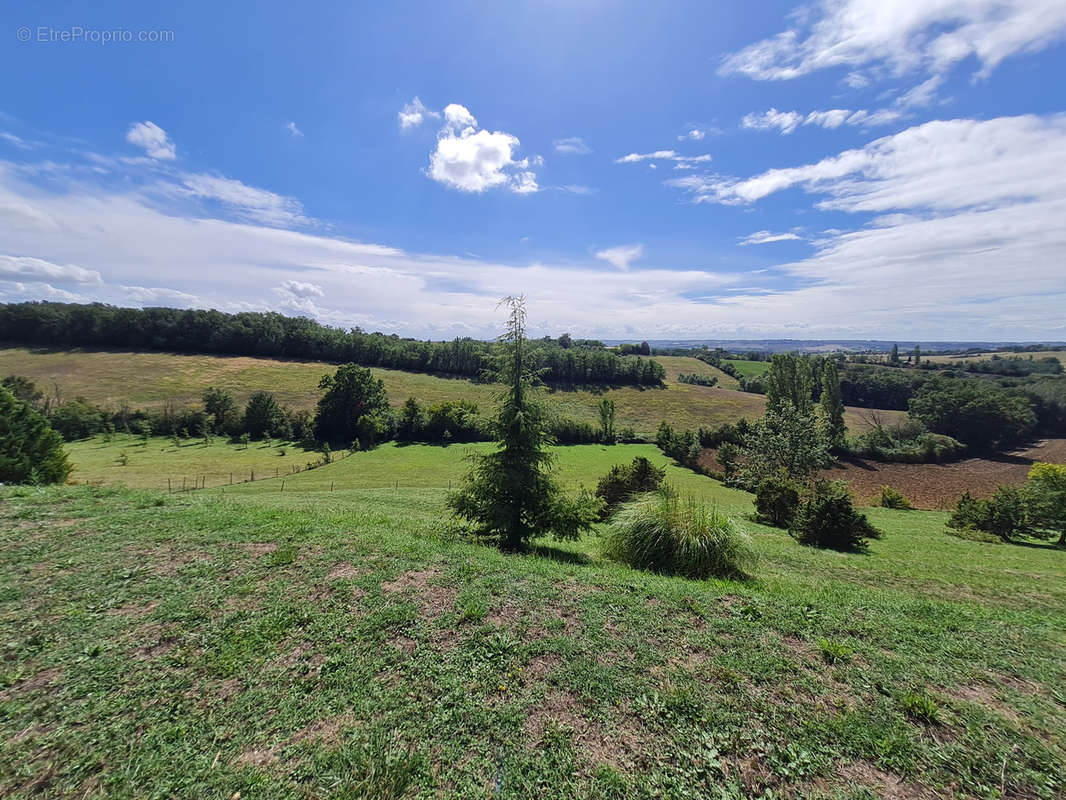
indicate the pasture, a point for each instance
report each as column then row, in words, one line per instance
column 749, row 369
column 147, row 380
column 310, row 643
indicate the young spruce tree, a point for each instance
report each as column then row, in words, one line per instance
column 509, row 494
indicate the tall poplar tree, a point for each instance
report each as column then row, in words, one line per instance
column 832, row 407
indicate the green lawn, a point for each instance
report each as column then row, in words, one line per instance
column 309, row 644
column 147, row 380
column 749, row 369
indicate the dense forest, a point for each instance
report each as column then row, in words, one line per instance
column 559, row 361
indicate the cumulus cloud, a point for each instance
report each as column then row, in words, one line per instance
column 622, row 256
column 152, row 139
column 294, row 132
column 901, row 37
column 414, row 114
column 472, row 160
column 36, row 269
column 303, row 289
column 573, row 145
column 765, row 237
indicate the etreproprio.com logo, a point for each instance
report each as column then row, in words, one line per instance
column 77, row 34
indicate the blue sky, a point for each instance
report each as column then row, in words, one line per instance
column 841, row 169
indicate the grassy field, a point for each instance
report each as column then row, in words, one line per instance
column 1059, row 354
column 347, row 644
column 145, row 380
column 749, row 369
column 126, row 460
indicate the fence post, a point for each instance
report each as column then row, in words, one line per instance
column 283, row 486
column 331, row 486
column 231, row 479
column 169, row 489
column 183, row 483
column 275, row 472
column 251, row 476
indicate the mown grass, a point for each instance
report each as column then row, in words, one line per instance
column 749, row 369
column 147, row 380
column 347, row 644
column 159, row 463
column 1059, row 354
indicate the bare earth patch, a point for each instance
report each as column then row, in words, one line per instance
column 256, row 758
column 432, row 599
column 883, row 784
column 343, row 572
column 985, row 696
column 617, row 747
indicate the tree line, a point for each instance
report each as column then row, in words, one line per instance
column 267, row 334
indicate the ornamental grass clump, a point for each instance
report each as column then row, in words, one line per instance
column 662, row 532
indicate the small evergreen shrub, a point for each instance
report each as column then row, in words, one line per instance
column 1005, row 514
column 776, row 502
column 890, row 498
column 662, row 532
column 827, row 518
column 623, row 481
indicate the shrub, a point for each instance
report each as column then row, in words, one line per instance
column 30, row 451
column 890, row 498
column 77, row 419
column 1046, row 491
column 1005, row 514
column 623, row 481
column 663, row 533
column 776, row 502
column 827, row 518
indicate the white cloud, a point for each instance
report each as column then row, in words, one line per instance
column 39, row 290
column 414, row 114
column 473, row 160
column 901, row 37
column 295, row 132
column 18, row 141
column 36, row 269
column 925, row 268
column 152, row 139
column 622, row 256
column 572, row 145
column 765, row 237
column 144, row 295
column 303, row 289
column 662, row 155
column 784, row 121
column 249, row 201
column 693, row 134
column 830, row 119
column 575, row 188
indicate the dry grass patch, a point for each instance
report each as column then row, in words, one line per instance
column 618, row 747
column 432, row 599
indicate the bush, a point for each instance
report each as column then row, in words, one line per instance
column 662, row 533
column 890, row 498
column 1005, row 514
column 77, row 419
column 826, row 518
column 30, row 451
column 776, row 502
column 623, row 481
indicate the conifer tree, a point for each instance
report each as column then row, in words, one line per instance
column 509, row 494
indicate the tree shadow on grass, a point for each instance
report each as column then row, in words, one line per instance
column 560, row 555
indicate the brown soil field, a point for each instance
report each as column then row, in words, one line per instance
column 937, row 486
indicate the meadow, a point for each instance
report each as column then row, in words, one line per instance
column 308, row 643
column 749, row 369
column 1059, row 354
column 147, row 380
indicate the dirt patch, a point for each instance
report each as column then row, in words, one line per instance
column 322, row 731
column 984, row 696
column 506, row 615
column 432, row 599
column 617, row 746
column 939, row 486
column 883, row 784
column 158, row 640
column 256, row 758
column 344, row 572
column 934, row 486
column 301, row 655
column 540, row 667
column 133, row 610
column 404, row 644
column 39, row 680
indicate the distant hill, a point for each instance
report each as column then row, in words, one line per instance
column 834, row 345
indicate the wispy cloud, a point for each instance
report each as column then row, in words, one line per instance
column 573, row 145
column 765, row 237
column 621, row 257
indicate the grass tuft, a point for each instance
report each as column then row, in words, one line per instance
column 662, row 532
